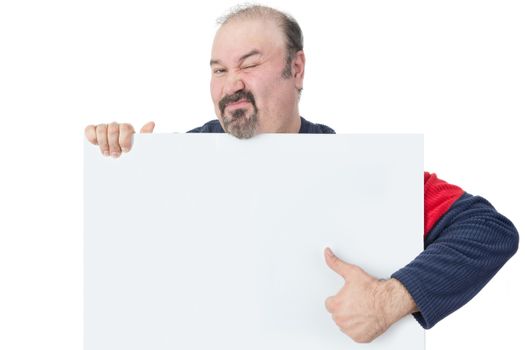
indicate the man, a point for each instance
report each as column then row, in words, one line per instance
column 257, row 70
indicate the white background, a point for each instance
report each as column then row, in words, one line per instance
column 452, row 70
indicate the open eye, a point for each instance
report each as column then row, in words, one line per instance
column 219, row 71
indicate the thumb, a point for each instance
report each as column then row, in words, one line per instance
column 147, row 128
column 341, row 267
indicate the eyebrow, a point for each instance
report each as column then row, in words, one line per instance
column 242, row 58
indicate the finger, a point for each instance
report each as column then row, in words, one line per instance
column 102, row 138
column 341, row 320
column 91, row 134
column 114, row 147
column 339, row 266
column 126, row 132
column 330, row 304
column 147, row 128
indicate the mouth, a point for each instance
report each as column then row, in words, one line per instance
column 237, row 104
column 241, row 100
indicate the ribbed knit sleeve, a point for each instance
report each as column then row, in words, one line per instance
column 464, row 248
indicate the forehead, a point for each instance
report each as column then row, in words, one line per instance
column 240, row 36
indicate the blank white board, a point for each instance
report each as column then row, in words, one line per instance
column 204, row 241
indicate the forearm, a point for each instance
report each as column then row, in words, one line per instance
column 394, row 301
column 464, row 251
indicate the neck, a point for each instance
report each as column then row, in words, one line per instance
column 294, row 124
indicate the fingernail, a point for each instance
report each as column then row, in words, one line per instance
column 106, row 153
column 125, row 149
column 115, row 154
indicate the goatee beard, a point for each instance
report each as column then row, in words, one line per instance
column 239, row 123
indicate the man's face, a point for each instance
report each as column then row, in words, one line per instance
column 249, row 93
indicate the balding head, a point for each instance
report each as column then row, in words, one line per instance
column 292, row 33
column 257, row 67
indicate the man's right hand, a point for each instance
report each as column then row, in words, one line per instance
column 114, row 138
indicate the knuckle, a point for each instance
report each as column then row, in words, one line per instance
column 331, row 304
column 126, row 128
column 333, row 259
column 357, row 270
column 100, row 130
column 113, row 129
column 339, row 320
column 90, row 133
column 362, row 339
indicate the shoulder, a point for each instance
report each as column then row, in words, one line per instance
column 439, row 197
column 446, row 203
column 313, row 128
column 213, row 126
column 452, row 212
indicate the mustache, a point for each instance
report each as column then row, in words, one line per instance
column 239, row 95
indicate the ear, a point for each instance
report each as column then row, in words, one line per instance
column 298, row 69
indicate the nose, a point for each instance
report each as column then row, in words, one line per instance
column 233, row 85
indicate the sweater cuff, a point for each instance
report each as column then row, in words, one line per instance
column 425, row 316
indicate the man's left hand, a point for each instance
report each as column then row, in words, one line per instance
column 366, row 307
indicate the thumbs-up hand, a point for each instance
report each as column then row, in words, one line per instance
column 366, row 307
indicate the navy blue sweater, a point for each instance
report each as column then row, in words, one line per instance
column 466, row 242
column 213, row 126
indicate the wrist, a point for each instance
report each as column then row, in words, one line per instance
column 395, row 301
